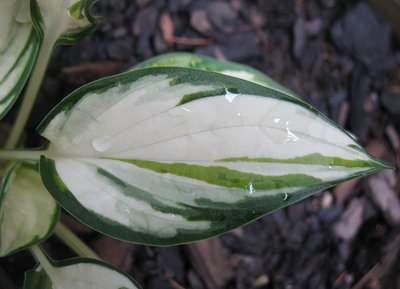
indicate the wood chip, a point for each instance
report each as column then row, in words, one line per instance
column 74, row 224
column 167, row 27
column 261, row 281
column 83, row 73
column 210, row 262
column 344, row 191
column 394, row 139
column 257, row 17
column 199, row 21
column 343, row 113
column 375, row 277
column 393, row 136
column 381, row 189
column 377, row 148
column 149, row 251
column 391, row 10
column 350, row 221
column 175, row 284
column 115, row 252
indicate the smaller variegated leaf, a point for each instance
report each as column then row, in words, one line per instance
column 28, row 213
column 171, row 155
column 18, row 48
column 63, row 21
column 190, row 60
column 76, row 273
column 37, row 279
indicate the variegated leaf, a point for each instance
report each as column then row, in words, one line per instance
column 190, row 60
column 28, row 213
column 63, row 21
column 77, row 273
column 170, row 155
column 37, row 279
column 18, row 48
column 56, row 22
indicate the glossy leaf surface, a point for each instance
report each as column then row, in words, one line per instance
column 172, row 155
column 191, row 60
column 28, row 213
column 18, row 48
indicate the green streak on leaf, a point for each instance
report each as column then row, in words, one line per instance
column 311, row 159
column 356, row 147
column 201, row 94
column 221, row 176
column 37, row 19
column 75, row 10
column 188, row 212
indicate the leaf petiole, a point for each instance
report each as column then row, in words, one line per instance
column 76, row 244
column 43, row 260
column 26, row 155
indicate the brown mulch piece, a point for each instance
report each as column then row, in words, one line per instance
column 376, row 278
column 208, row 259
column 86, row 72
column 382, row 191
column 115, row 252
column 167, row 28
column 74, row 224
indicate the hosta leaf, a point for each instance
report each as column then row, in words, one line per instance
column 37, row 279
column 63, row 21
column 28, row 213
column 170, row 155
column 202, row 62
column 18, row 48
column 77, row 273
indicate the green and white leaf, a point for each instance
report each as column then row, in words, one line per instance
column 37, row 279
column 77, row 273
column 171, row 155
column 18, row 48
column 28, row 213
column 190, row 60
column 63, row 21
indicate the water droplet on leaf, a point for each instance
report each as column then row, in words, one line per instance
column 285, row 196
column 291, row 137
column 251, row 189
column 193, row 63
column 102, row 143
column 230, row 95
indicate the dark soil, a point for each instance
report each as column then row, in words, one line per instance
column 340, row 56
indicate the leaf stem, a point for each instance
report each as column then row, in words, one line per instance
column 33, row 155
column 31, row 92
column 76, row 244
column 42, row 259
